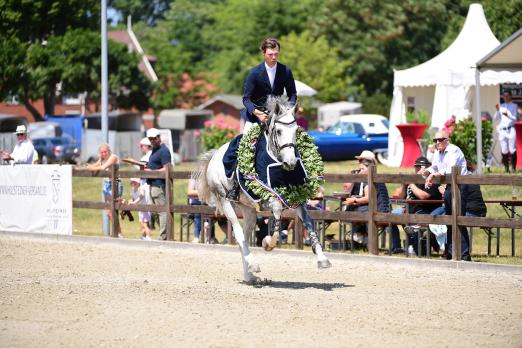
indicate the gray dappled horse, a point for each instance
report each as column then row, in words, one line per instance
column 212, row 185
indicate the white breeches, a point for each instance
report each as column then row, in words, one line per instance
column 507, row 140
column 246, row 125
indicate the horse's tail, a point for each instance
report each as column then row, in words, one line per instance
column 200, row 176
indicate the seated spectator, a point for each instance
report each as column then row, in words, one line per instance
column 359, row 198
column 416, row 192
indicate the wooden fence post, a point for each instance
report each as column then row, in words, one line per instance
column 456, row 249
column 170, row 203
column 115, row 221
column 373, row 236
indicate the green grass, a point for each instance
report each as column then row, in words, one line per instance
column 88, row 221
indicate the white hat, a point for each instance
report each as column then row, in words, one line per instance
column 152, row 133
column 135, row 180
column 145, row 141
column 21, row 129
column 367, row 155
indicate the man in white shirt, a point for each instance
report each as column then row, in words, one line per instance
column 506, row 116
column 23, row 151
column 447, row 156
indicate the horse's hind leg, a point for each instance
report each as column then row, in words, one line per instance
column 322, row 260
column 249, row 264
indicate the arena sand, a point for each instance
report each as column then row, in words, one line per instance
column 79, row 293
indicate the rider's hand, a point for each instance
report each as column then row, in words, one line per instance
column 263, row 117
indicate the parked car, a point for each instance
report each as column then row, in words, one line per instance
column 57, row 149
column 351, row 135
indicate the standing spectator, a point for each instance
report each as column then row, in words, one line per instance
column 300, row 119
column 138, row 195
column 193, row 199
column 506, row 116
column 105, row 161
column 23, row 151
column 146, row 150
column 267, row 78
column 447, row 156
column 159, row 160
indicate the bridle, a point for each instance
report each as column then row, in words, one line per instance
column 273, row 135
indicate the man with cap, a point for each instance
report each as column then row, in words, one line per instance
column 159, row 160
column 417, row 192
column 23, row 151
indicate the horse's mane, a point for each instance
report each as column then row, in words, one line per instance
column 282, row 101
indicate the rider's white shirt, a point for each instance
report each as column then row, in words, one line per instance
column 271, row 71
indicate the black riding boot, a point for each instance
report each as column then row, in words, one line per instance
column 505, row 161
column 514, row 162
column 233, row 193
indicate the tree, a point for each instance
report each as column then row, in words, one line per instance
column 65, row 51
column 378, row 36
column 317, row 64
column 239, row 28
column 148, row 11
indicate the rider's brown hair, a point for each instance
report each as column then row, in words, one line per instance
column 269, row 43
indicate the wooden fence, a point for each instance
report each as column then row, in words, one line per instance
column 373, row 218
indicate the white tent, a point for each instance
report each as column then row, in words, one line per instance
column 505, row 60
column 444, row 85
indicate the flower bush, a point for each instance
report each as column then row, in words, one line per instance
column 464, row 134
column 216, row 133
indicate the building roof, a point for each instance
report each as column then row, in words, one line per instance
column 233, row 100
column 128, row 38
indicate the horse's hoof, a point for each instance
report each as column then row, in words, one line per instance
column 324, row 264
column 258, row 282
column 254, row 268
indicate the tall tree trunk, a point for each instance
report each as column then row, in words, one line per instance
column 49, row 102
column 27, row 103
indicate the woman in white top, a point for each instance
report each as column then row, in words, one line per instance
column 106, row 160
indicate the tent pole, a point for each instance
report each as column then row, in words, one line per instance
column 478, row 121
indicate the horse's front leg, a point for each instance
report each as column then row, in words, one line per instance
column 322, row 260
column 270, row 241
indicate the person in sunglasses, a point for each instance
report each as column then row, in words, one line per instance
column 447, row 156
column 23, row 151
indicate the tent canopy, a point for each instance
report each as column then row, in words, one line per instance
column 453, row 65
column 443, row 86
column 507, row 56
column 506, row 59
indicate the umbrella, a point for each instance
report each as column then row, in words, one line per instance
column 304, row 90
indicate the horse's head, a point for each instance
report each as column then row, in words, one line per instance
column 282, row 131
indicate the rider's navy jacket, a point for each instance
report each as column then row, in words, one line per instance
column 257, row 88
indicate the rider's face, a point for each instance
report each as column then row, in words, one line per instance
column 271, row 55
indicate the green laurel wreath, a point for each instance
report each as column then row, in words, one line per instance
column 293, row 194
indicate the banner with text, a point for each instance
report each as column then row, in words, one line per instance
column 36, row 198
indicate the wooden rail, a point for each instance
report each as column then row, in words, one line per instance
column 373, row 218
